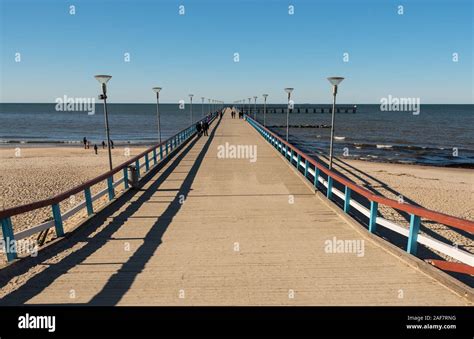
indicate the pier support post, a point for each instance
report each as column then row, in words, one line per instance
column 329, row 189
column 125, row 177
column 316, row 177
column 347, row 200
column 110, row 188
column 9, row 239
column 89, row 206
column 373, row 216
column 412, row 244
column 137, row 165
column 58, row 220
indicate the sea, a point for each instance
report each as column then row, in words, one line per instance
column 440, row 135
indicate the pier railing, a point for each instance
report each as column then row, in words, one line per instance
column 143, row 163
column 321, row 177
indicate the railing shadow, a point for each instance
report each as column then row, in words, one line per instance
column 39, row 282
column 121, row 281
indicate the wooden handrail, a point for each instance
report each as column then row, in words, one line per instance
column 455, row 222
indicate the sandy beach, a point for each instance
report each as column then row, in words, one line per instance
column 445, row 190
column 36, row 173
column 41, row 172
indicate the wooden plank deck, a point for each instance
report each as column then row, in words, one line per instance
column 248, row 233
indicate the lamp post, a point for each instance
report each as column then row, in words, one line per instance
column 255, row 108
column 265, row 109
column 103, row 79
column 335, row 81
column 157, row 91
column 191, row 106
column 202, row 107
column 288, row 90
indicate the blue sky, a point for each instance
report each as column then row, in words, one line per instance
column 407, row 55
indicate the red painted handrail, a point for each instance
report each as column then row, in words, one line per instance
column 9, row 212
column 455, row 222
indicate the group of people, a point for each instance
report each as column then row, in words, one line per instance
column 233, row 113
column 202, row 127
column 87, row 144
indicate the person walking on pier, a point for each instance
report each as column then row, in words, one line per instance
column 206, row 128
column 84, row 140
column 198, row 128
column 103, row 144
column 95, row 148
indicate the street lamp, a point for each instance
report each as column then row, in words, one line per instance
column 255, row 108
column 103, row 79
column 265, row 109
column 334, row 82
column 191, row 107
column 288, row 90
column 202, row 107
column 157, row 91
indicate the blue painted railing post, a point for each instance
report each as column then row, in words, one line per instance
column 167, row 148
column 137, row 166
column 154, row 156
column 347, row 200
column 373, row 216
column 9, row 239
column 110, row 188
column 306, row 168
column 316, row 177
column 413, row 235
column 282, row 149
column 161, row 151
column 58, row 220
column 298, row 159
column 125, row 177
column 89, row 206
column 329, row 189
column 147, row 163
column 291, row 156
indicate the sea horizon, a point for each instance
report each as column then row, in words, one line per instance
column 368, row 134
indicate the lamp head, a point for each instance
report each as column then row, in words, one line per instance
column 103, row 79
column 335, row 80
column 289, row 90
column 156, row 89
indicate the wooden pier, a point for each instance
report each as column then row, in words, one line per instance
column 203, row 229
